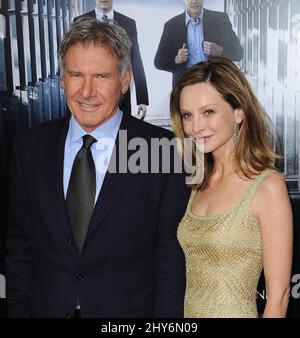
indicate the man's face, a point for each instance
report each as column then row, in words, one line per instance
column 93, row 84
column 104, row 5
column 194, row 7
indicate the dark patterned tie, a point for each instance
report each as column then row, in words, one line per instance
column 81, row 191
column 104, row 18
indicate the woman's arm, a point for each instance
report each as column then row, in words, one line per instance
column 272, row 208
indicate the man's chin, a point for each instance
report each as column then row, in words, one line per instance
column 89, row 127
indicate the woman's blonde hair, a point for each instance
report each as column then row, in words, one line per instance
column 254, row 147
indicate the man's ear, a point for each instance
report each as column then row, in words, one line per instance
column 62, row 83
column 126, row 80
column 239, row 115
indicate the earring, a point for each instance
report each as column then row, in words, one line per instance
column 237, row 130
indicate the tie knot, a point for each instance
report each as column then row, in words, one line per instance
column 104, row 18
column 88, row 140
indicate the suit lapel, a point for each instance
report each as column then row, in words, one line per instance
column 181, row 30
column 54, row 169
column 114, row 183
column 207, row 26
column 117, row 17
column 91, row 14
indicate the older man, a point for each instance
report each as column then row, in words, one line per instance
column 84, row 240
column 104, row 11
column 194, row 36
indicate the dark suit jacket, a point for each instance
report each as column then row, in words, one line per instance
column 216, row 28
column 131, row 263
column 137, row 66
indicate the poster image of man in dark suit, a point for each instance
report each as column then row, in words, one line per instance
column 103, row 11
column 85, row 239
column 193, row 36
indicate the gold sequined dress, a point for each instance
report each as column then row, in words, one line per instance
column 223, row 259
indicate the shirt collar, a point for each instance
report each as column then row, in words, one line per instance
column 99, row 14
column 188, row 18
column 108, row 129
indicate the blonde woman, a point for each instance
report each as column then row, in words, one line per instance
column 238, row 220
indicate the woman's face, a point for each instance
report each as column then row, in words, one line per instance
column 208, row 118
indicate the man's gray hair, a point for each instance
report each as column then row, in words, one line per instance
column 108, row 34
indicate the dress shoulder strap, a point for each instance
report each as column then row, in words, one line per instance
column 255, row 183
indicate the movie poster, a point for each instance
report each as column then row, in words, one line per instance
column 30, row 93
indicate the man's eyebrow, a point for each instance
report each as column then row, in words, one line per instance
column 72, row 71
